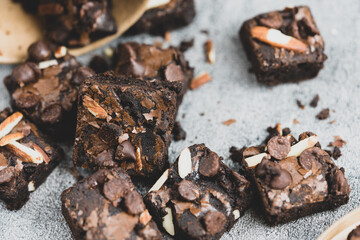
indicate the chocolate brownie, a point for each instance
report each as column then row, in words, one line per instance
column 163, row 16
column 27, row 158
column 125, row 122
column 355, row 234
column 198, row 197
column 107, row 206
column 148, row 62
column 45, row 88
column 283, row 46
column 295, row 178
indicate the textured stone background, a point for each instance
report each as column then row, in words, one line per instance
column 234, row 93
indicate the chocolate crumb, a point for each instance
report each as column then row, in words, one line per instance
column 178, row 132
column 186, row 44
column 339, row 142
column 205, row 31
column 273, row 131
column 324, row 114
column 99, row 64
column 332, row 122
column 300, row 105
column 315, row 101
column 236, row 154
column 229, row 122
column 295, row 121
column 202, row 114
column 286, row 131
column 336, row 153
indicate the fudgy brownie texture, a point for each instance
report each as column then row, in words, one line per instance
column 169, row 16
column 107, row 206
column 148, row 62
column 74, row 22
column 355, row 234
column 199, row 197
column 45, row 88
column 125, row 122
column 295, row 178
column 295, row 53
column 27, row 157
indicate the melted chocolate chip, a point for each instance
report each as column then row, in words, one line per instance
column 340, row 184
column 7, row 174
column 81, row 74
column 278, row 147
column 99, row 64
column 188, row 190
column 109, row 133
column 281, row 180
column 134, row 203
column 125, row 151
column 133, row 68
column 26, row 73
column 27, row 100
column 39, row 51
column 271, row 20
column 115, row 189
column 173, row 73
column 209, row 164
column 52, row 114
column 311, row 154
column 215, row 222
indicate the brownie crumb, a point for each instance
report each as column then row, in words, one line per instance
column 205, row 31
column 199, row 80
column 336, row 153
column 229, row 122
column 202, row 114
column 332, row 122
column 286, row 131
column 209, row 51
column 186, row 44
column 273, row 131
column 99, row 64
column 315, row 101
column 236, row 154
column 339, row 142
column 295, row 121
column 300, row 105
column 178, row 132
column 324, row 114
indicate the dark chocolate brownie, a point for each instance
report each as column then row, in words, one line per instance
column 199, row 197
column 355, row 234
column 170, row 15
column 295, row 178
column 107, row 206
column 27, row 158
column 283, row 46
column 125, row 122
column 45, row 88
column 148, row 62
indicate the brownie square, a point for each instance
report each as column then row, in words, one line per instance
column 27, row 158
column 295, row 178
column 148, row 62
column 168, row 16
column 198, row 197
column 107, row 206
column 283, row 46
column 124, row 122
column 45, row 88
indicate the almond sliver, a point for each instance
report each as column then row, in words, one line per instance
column 25, row 153
column 43, row 154
column 9, row 123
column 11, row 137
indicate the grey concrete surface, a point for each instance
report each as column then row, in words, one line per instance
column 234, row 93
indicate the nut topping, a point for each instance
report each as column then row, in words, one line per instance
column 60, row 52
column 38, row 149
column 11, row 137
column 145, row 217
column 255, row 160
column 200, row 80
column 156, row 3
column 49, row 63
column 160, row 181
column 302, row 145
column 94, row 108
column 185, row 163
column 167, row 222
column 9, row 123
column 25, row 153
column 209, row 51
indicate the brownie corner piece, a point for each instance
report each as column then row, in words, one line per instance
column 295, row 178
column 107, row 206
column 124, row 122
column 198, row 197
column 283, row 46
column 27, row 158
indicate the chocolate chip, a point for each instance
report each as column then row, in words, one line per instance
column 209, row 164
column 81, row 74
column 324, row 114
column 339, row 183
column 314, row 101
column 309, row 155
column 279, row 147
column 105, row 159
column 109, row 133
column 263, row 168
column 39, row 51
column 134, row 203
column 188, row 190
column 7, row 174
column 178, row 132
column 215, row 222
column 124, row 52
column 173, row 73
column 125, row 151
column 281, row 180
column 286, row 131
column 271, row 20
column 27, row 100
column 336, row 153
column 251, row 151
column 99, row 64
column 133, row 68
column 115, row 189
column 52, row 114
column 26, row 73
column 185, row 45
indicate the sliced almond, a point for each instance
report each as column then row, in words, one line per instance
column 60, row 52
column 209, row 51
column 276, row 38
column 160, row 182
column 9, row 123
column 200, row 80
column 43, row 154
column 167, row 222
column 109, row 52
column 94, row 108
column 49, row 63
column 167, row 36
column 138, row 158
column 156, row 3
column 31, row 186
column 255, row 160
column 236, row 214
column 302, row 145
column 145, row 217
column 185, row 163
column 25, row 153
column 11, row 137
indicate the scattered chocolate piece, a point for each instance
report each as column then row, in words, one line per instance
column 295, row 121
column 178, row 132
column 314, row 101
column 339, row 142
column 199, row 80
column 332, row 122
column 300, row 105
column 99, row 64
column 236, row 154
column 185, row 45
column 336, row 153
column 324, row 114
column 273, row 131
column 229, row 122
column 205, row 31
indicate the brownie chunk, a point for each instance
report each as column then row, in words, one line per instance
column 27, row 158
column 283, row 46
column 107, row 206
column 355, row 234
column 170, row 15
column 148, row 62
column 295, row 178
column 45, row 88
column 125, row 122
column 198, row 197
